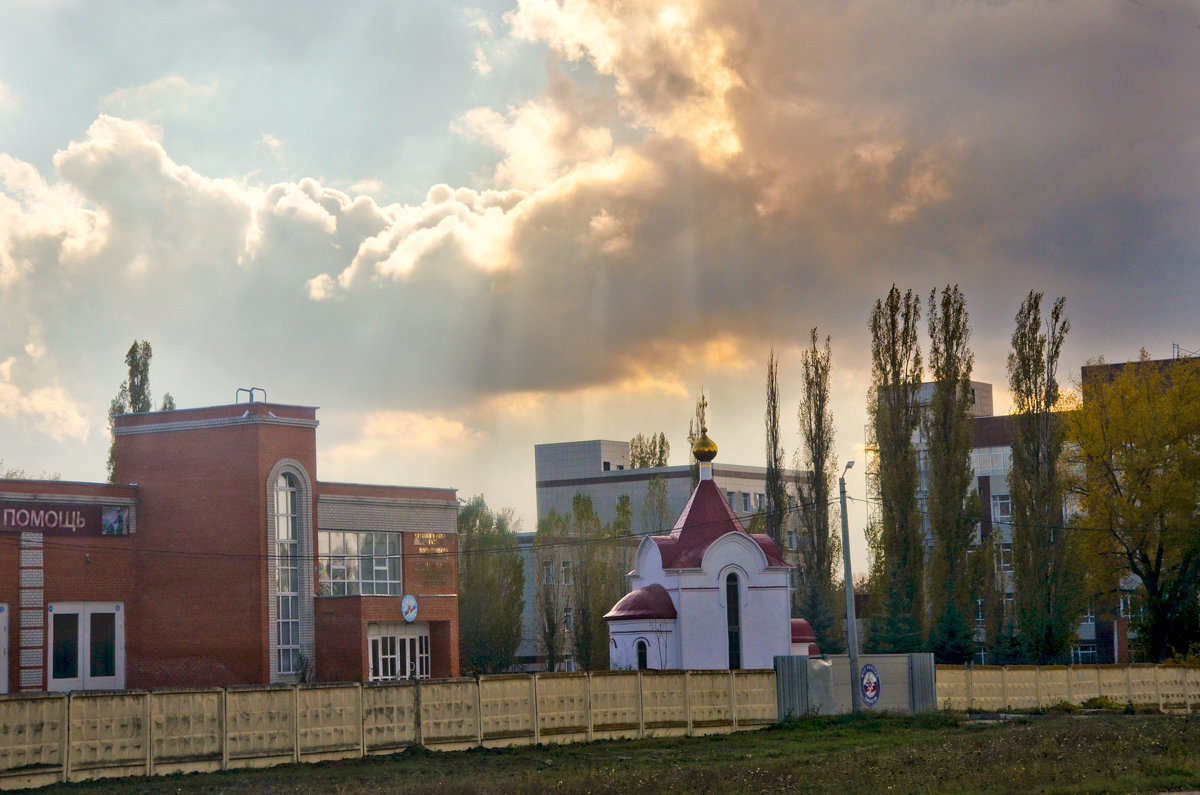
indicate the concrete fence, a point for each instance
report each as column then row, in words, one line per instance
column 50, row 738
column 990, row 688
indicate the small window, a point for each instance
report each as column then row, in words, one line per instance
column 566, row 572
column 548, row 573
column 569, row 618
column 641, row 655
column 746, row 502
column 791, row 539
column 607, row 466
column 733, row 610
column 729, row 497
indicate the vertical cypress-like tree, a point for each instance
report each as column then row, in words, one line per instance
column 1047, row 571
column 133, row 396
column 895, row 379
column 951, row 506
column 818, row 546
column 550, row 596
column 776, row 497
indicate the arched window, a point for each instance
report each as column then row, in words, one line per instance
column 641, row 654
column 287, row 572
column 733, row 620
column 289, row 576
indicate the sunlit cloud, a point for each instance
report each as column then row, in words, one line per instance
column 169, row 95
column 50, row 409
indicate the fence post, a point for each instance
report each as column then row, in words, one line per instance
column 1004, row 686
column 1037, row 686
column 1129, row 682
column 1158, row 689
column 1099, row 682
column 148, row 721
column 970, row 687
column 478, row 711
column 362, row 723
column 1070, row 684
column 687, row 699
column 641, row 706
column 733, row 700
column 223, row 727
column 295, row 723
column 418, row 734
column 66, row 739
column 591, row 734
column 537, row 728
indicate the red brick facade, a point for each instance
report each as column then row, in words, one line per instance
column 196, row 577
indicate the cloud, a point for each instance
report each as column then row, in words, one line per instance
column 8, row 98
column 51, row 409
column 170, row 95
column 406, row 433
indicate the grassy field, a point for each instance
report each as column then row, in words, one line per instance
column 934, row 753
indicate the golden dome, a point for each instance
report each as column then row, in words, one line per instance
column 705, row 449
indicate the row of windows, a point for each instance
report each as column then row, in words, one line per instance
column 353, row 564
column 745, row 501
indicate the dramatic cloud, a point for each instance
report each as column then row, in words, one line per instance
column 579, row 245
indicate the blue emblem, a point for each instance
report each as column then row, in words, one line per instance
column 869, row 684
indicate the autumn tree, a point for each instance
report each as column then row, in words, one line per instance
column 895, row 415
column 696, row 426
column 1047, row 575
column 775, row 509
column 595, row 579
column 952, row 508
column 818, row 548
column 650, row 451
column 491, row 584
column 550, row 594
column 1135, row 458
column 133, row 396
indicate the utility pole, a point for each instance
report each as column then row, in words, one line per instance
column 851, row 621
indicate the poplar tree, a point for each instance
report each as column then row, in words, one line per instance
column 818, row 547
column 1047, row 572
column 491, row 584
column 952, row 507
column 696, row 427
column 550, row 595
column 650, row 451
column 776, row 492
column 895, row 415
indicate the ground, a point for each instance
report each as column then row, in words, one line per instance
column 934, row 753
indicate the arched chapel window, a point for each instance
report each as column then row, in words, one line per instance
column 641, row 655
column 733, row 620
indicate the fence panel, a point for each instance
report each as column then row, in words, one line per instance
column 708, row 701
column 1143, row 686
column 1114, row 682
column 107, row 734
column 755, row 700
column 562, row 707
column 1054, row 685
column 328, row 721
column 389, row 716
column 1021, row 685
column 1173, row 689
column 614, row 701
column 185, row 730
column 32, row 737
column 987, row 688
column 952, row 687
column 506, row 709
column 664, row 703
column 449, row 718
column 259, row 726
column 1085, row 684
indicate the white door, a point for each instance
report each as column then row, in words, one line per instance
column 3, row 648
column 86, row 646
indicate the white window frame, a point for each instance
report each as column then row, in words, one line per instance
column 397, row 651
column 84, row 680
column 302, row 642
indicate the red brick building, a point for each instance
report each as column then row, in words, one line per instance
column 222, row 560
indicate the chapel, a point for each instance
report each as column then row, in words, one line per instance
column 707, row 596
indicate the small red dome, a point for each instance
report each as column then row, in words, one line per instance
column 653, row 601
column 802, row 632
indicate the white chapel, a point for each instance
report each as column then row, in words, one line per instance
column 707, row 596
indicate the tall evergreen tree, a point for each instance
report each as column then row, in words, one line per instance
column 133, row 396
column 1047, row 570
column 818, row 546
column 776, row 498
column 491, row 584
column 952, row 505
column 895, row 415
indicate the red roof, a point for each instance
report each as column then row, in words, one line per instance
column 653, row 601
column 705, row 518
column 802, row 632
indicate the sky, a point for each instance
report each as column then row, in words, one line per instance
column 465, row 229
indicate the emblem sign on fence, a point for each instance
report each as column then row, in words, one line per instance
column 869, row 683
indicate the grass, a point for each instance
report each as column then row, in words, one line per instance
column 929, row 753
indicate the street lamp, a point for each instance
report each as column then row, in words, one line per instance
column 851, row 622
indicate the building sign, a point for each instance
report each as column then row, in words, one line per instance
column 870, row 685
column 433, row 563
column 64, row 519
